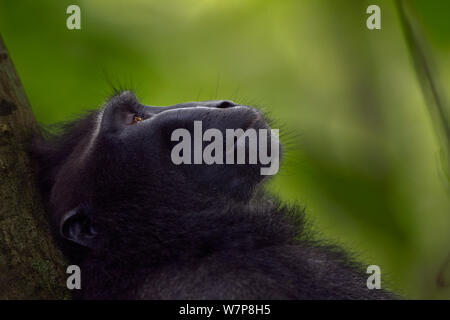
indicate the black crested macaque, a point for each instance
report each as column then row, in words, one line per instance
column 141, row 227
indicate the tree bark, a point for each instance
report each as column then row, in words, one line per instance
column 31, row 267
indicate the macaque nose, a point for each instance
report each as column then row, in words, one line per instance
column 223, row 104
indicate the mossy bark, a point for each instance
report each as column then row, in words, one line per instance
column 31, row 267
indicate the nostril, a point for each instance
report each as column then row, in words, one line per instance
column 225, row 104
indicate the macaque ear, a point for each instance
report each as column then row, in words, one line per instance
column 76, row 226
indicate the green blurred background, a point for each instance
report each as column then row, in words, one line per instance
column 362, row 152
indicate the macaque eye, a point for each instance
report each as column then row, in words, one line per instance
column 136, row 119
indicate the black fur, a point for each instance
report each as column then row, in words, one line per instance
column 142, row 227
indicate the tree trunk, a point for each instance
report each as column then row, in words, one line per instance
column 30, row 265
